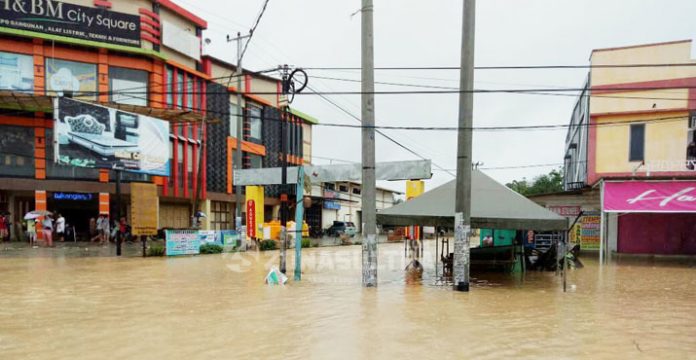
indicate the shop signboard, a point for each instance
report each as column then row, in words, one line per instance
column 565, row 210
column 64, row 19
column 183, row 242
column 65, row 77
column 144, row 209
column 332, row 205
column 73, row 196
column 89, row 135
column 650, row 197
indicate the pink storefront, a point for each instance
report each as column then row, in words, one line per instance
column 650, row 217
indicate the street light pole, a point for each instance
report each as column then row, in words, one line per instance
column 462, row 216
column 369, row 198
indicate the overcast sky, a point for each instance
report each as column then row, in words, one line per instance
column 323, row 33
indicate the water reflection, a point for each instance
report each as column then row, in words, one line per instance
column 217, row 307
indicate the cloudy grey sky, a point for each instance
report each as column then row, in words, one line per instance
column 322, row 33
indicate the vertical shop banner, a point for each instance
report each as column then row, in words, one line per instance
column 71, row 78
column 89, row 135
column 144, row 209
column 251, row 218
column 647, row 196
column 589, row 230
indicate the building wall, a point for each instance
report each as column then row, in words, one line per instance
column 665, row 142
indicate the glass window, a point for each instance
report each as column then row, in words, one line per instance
column 16, row 72
column 254, row 115
column 71, row 78
column 179, row 89
column 189, row 151
column 356, row 190
column 168, row 90
column 329, row 186
column 256, row 161
column 17, row 151
column 637, row 147
column 234, row 120
column 189, row 93
column 343, row 188
column 128, row 86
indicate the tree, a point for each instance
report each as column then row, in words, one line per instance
column 542, row 184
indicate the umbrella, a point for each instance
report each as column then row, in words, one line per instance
column 200, row 214
column 36, row 214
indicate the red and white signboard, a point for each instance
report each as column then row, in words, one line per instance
column 251, row 218
column 650, row 197
column 565, row 210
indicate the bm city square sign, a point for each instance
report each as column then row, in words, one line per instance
column 81, row 22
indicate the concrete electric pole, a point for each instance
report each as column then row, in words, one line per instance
column 462, row 207
column 239, row 73
column 369, row 201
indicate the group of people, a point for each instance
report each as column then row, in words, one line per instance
column 101, row 230
column 49, row 228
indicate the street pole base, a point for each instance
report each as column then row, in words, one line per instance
column 462, row 286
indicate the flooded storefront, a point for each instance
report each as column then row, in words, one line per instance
column 217, row 306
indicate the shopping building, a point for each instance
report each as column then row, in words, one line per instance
column 631, row 148
column 144, row 56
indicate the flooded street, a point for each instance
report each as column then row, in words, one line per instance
column 216, row 306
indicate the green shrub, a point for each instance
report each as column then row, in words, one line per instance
column 210, row 249
column 306, row 243
column 156, row 250
column 267, row 245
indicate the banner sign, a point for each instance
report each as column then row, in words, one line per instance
column 251, row 218
column 332, row 205
column 588, row 229
column 64, row 19
column 646, row 196
column 89, row 135
column 183, row 242
column 144, row 209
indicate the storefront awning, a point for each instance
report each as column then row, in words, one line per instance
column 12, row 100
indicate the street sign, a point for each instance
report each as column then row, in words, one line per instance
column 395, row 170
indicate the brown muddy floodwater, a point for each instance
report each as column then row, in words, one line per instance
column 217, row 307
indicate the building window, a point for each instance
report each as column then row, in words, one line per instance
column 168, row 90
column 329, row 186
column 128, row 86
column 16, row 72
column 343, row 188
column 180, row 89
column 234, row 120
column 255, row 123
column 189, row 94
column 256, row 161
column 637, row 143
column 17, row 151
column 71, row 78
column 356, row 191
column 221, row 215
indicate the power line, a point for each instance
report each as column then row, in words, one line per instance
column 253, row 28
column 514, row 67
column 379, row 132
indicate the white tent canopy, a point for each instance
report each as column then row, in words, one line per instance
column 493, row 206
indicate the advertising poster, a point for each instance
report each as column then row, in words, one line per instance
column 251, row 218
column 70, row 77
column 89, row 135
column 144, row 209
column 16, row 72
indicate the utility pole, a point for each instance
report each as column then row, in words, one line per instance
column 240, row 123
column 369, row 201
column 283, row 189
column 462, row 208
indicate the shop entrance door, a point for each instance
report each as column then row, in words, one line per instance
column 77, row 209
